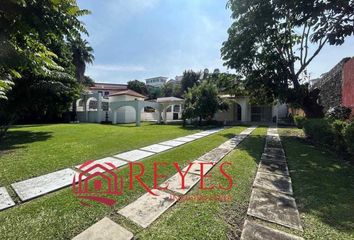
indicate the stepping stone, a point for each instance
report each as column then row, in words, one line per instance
column 248, row 131
column 105, row 229
column 274, row 151
column 5, row 199
column 274, row 207
column 116, row 162
column 156, row 148
column 232, row 143
column 274, row 167
column 146, row 209
column 172, row 143
column 184, row 139
column 273, row 138
column 270, row 143
column 134, row 155
column 175, row 183
column 254, row 231
column 273, row 158
column 41, row 185
column 196, row 167
column 273, row 182
column 214, row 155
column 196, row 136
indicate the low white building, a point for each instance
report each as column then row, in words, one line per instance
column 156, row 81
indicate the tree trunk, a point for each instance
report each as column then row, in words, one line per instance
column 310, row 106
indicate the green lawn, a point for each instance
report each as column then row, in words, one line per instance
column 323, row 188
column 60, row 216
column 30, row 151
column 214, row 219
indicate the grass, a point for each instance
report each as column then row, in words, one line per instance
column 34, row 150
column 60, row 216
column 214, row 219
column 323, row 188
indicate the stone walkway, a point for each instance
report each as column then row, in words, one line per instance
column 41, row 185
column 271, row 198
column 146, row 209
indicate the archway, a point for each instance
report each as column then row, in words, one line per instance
column 238, row 112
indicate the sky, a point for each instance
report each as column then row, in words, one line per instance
column 139, row 39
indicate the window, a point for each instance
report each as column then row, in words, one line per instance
column 177, row 108
column 106, row 93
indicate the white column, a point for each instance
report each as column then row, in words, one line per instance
column 114, row 117
column 165, row 115
column 137, row 114
column 99, row 107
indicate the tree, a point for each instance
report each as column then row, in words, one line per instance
column 82, row 55
column 189, row 79
column 138, row 87
column 285, row 37
column 26, row 30
column 202, row 102
column 171, row 89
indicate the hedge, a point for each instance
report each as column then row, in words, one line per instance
column 338, row 135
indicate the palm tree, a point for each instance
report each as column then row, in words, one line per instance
column 82, row 55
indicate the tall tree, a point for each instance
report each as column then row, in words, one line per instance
column 138, row 87
column 82, row 55
column 189, row 79
column 284, row 38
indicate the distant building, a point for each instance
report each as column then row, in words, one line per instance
column 337, row 86
column 156, row 81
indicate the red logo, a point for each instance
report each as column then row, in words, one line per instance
column 95, row 182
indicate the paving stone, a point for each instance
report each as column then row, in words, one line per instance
column 134, row 155
column 203, row 134
column 196, row 136
column 273, row 182
column 232, row 143
column 270, row 143
column 175, row 183
column 116, row 162
column 5, row 199
column 172, row 143
column 248, row 130
column 214, row 155
column 156, row 148
column 41, row 185
column 254, row 231
column 275, row 151
column 196, row 167
column 273, row 138
column 272, row 158
column 274, row 167
column 148, row 208
column 105, row 229
column 274, row 207
column 184, row 139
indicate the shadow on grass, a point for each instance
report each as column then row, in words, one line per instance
column 323, row 186
column 17, row 139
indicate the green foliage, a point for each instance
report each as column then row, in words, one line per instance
column 28, row 30
column 285, row 37
column 338, row 135
column 82, row 53
column 319, row 130
column 203, row 102
column 138, row 87
column 189, row 80
column 348, row 135
column 339, row 112
column 299, row 121
column 171, row 89
column 227, row 83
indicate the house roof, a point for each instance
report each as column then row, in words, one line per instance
column 168, row 99
column 129, row 93
column 109, row 86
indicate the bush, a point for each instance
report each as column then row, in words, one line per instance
column 299, row 121
column 348, row 136
column 319, row 130
column 338, row 142
column 339, row 113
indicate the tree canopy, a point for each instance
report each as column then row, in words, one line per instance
column 271, row 43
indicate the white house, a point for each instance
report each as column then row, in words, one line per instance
column 156, row 81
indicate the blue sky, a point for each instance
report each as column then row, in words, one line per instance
column 138, row 39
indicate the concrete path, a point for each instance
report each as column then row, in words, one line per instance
column 271, row 198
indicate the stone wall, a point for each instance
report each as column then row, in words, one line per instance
column 330, row 86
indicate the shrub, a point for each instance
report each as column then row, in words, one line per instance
column 319, row 130
column 338, row 142
column 348, row 136
column 339, row 113
column 299, row 121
